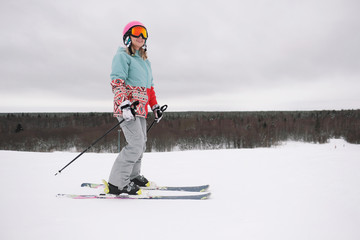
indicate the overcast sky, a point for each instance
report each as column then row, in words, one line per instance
column 228, row 55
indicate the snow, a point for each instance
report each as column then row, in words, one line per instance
column 292, row 191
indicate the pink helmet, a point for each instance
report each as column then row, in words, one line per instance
column 128, row 27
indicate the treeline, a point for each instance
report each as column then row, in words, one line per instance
column 177, row 130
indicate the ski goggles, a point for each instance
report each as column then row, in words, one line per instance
column 137, row 31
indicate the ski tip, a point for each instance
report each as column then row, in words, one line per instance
column 205, row 188
column 204, row 196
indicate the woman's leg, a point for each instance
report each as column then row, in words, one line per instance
column 137, row 166
column 129, row 156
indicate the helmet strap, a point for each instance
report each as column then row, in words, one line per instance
column 144, row 47
column 130, row 50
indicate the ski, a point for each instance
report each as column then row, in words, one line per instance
column 200, row 196
column 201, row 188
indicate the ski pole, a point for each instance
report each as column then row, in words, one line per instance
column 97, row 140
column 163, row 109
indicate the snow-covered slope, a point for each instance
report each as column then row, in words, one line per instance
column 294, row 191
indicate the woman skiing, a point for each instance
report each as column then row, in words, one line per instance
column 131, row 81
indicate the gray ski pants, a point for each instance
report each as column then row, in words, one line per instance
column 128, row 163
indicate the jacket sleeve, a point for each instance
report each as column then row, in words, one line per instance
column 119, row 90
column 120, row 66
column 152, row 97
column 119, row 73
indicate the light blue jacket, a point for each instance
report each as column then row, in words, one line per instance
column 133, row 70
column 131, row 79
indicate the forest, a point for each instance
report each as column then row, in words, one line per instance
column 177, row 131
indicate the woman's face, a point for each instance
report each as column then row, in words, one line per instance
column 138, row 42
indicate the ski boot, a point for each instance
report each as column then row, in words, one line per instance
column 130, row 189
column 141, row 181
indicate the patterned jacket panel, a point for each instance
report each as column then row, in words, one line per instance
column 145, row 96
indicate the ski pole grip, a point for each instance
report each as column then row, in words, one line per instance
column 133, row 107
column 163, row 108
column 134, row 104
